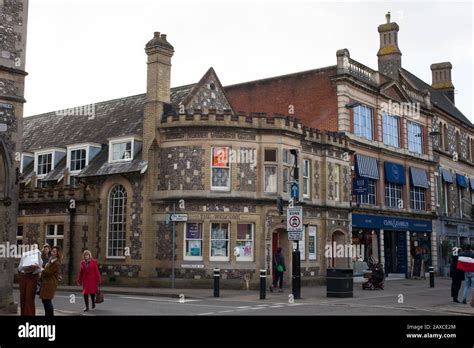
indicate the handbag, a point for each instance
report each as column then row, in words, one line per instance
column 279, row 268
column 99, row 296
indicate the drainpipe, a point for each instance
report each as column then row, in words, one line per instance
column 72, row 212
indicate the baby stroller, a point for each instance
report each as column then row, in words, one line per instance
column 376, row 276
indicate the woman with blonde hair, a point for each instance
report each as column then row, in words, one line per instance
column 50, row 280
column 89, row 276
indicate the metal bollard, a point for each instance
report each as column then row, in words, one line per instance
column 217, row 275
column 263, row 283
column 431, row 277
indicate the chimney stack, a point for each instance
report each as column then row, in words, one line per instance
column 441, row 79
column 390, row 57
column 159, row 52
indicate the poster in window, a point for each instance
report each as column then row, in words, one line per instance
column 193, row 231
column 194, row 248
column 219, row 157
column 312, row 243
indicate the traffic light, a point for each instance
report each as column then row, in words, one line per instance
column 280, row 205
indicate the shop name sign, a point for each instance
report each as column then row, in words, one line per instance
column 390, row 223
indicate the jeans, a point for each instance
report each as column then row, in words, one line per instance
column 468, row 283
column 48, row 308
column 278, row 278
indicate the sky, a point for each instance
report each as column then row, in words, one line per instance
column 87, row 51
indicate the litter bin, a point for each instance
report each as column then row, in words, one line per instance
column 340, row 282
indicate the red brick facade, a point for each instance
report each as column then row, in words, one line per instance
column 311, row 93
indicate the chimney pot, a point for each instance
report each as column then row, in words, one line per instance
column 157, row 34
column 163, row 36
column 387, row 16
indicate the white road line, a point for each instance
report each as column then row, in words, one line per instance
column 244, row 307
column 263, row 305
column 191, row 304
column 160, row 299
column 206, row 313
column 277, row 306
column 231, row 310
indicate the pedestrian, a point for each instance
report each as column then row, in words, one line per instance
column 457, row 275
column 466, row 264
column 50, row 280
column 29, row 269
column 279, row 270
column 89, row 276
column 46, row 253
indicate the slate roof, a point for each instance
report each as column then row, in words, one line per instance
column 57, row 172
column 438, row 98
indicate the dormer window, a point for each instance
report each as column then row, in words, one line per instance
column 45, row 162
column 123, row 149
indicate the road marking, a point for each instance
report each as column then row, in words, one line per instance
column 244, row 307
column 160, row 299
column 231, row 310
column 190, row 304
column 206, row 313
column 262, row 305
column 277, row 306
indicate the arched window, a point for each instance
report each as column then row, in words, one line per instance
column 117, row 221
column 458, row 144
column 441, row 139
column 445, row 140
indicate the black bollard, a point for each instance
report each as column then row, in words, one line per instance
column 431, row 277
column 263, row 283
column 217, row 275
column 296, row 279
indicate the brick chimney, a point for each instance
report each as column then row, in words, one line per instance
column 390, row 57
column 441, row 79
column 159, row 52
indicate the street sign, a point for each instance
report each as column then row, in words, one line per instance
column 294, row 221
column 178, row 217
column 295, row 235
column 295, row 190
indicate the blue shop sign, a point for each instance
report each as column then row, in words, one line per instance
column 360, row 186
column 390, row 223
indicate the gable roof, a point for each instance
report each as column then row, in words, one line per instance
column 438, row 98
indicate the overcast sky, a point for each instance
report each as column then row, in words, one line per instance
column 81, row 52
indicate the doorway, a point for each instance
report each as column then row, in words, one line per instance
column 395, row 252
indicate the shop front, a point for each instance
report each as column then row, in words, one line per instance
column 395, row 242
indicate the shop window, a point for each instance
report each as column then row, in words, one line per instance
column 244, row 243
column 193, row 241
column 219, row 242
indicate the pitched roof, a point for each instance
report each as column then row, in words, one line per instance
column 438, row 98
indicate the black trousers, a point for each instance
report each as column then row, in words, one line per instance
column 455, row 286
column 86, row 300
column 48, row 308
column 278, row 279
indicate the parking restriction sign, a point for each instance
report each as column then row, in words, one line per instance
column 294, row 223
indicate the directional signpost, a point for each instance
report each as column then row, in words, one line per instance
column 178, row 217
column 295, row 190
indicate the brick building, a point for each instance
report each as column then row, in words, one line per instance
column 13, row 15
column 413, row 149
column 127, row 162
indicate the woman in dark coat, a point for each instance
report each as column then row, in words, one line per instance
column 457, row 275
column 50, row 280
column 279, row 268
column 89, row 276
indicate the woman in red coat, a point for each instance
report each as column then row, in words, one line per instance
column 89, row 276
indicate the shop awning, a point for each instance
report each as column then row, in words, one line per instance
column 418, row 177
column 461, row 180
column 471, row 180
column 447, row 175
column 367, row 167
column 394, row 173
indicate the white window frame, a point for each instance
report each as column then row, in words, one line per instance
column 229, row 167
column 73, row 173
column 415, row 194
column 51, row 151
column 219, row 258
column 288, row 160
column 306, row 178
column 270, row 164
column 55, row 237
column 365, row 199
column 412, row 144
column 391, row 191
column 108, row 223
column 361, row 126
column 121, row 141
column 313, row 233
column 185, row 239
column 23, row 155
column 391, row 125
column 252, row 241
